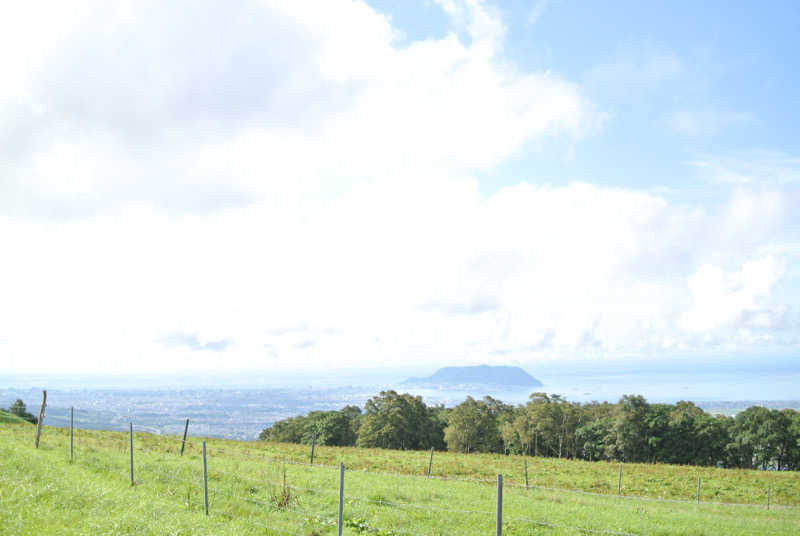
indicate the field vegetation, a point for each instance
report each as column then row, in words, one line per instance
column 6, row 417
column 632, row 430
column 269, row 488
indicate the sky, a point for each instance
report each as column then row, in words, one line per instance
column 315, row 186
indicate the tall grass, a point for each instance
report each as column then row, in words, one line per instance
column 255, row 488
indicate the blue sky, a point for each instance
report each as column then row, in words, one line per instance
column 680, row 80
column 301, row 186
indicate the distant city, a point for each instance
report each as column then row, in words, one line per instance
column 242, row 412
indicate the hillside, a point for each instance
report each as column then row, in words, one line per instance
column 6, row 417
column 385, row 491
column 478, row 375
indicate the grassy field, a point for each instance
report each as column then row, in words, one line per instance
column 6, row 418
column 385, row 492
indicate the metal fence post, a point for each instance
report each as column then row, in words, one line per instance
column 313, row 444
column 698, row 490
column 40, row 419
column 769, row 494
column 499, row 520
column 430, row 463
column 71, row 433
column 619, row 481
column 131, row 440
column 205, row 478
column 341, row 495
column 185, row 431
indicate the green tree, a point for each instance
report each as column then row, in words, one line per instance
column 756, row 436
column 710, row 437
column 593, row 439
column 397, row 421
column 474, row 426
column 516, row 431
column 332, row 428
column 792, row 441
column 289, row 430
column 19, row 409
column 554, row 421
column 631, row 427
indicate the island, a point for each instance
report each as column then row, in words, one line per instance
column 478, row 375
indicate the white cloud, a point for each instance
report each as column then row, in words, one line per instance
column 634, row 73
column 719, row 298
column 285, row 184
column 753, row 168
column 707, row 121
column 390, row 274
column 257, row 101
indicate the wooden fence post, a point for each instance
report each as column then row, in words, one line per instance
column 185, row 431
column 131, row 448
column 526, row 472
column 40, row 419
column 313, row 444
column 205, row 478
column 499, row 520
column 341, row 495
column 698, row 490
column 430, row 463
column 71, row 433
column 619, row 481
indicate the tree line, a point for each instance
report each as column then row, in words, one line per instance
column 632, row 430
column 19, row 409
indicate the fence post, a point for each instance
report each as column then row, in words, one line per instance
column 619, row 481
column 71, row 433
column 185, row 431
column 698, row 490
column 131, row 449
column 341, row 495
column 40, row 419
column 499, row 521
column 526, row 472
column 769, row 493
column 430, row 463
column 313, row 444
column 205, row 478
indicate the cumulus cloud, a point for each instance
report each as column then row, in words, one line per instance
column 392, row 275
column 204, row 106
column 720, row 297
column 287, row 184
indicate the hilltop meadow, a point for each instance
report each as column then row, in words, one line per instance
column 269, row 488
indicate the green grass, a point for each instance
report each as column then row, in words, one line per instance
column 7, row 418
column 42, row 493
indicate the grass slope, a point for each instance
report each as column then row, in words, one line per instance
column 41, row 492
column 7, row 418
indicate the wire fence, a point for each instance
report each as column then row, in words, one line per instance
column 238, row 454
column 239, row 488
column 486, row 481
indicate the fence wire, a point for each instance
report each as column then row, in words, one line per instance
column 237, row 455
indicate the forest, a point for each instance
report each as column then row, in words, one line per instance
column 631, row 430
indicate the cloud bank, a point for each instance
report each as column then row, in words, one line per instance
column 292, row 186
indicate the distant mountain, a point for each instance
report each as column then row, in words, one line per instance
column 478, row 375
